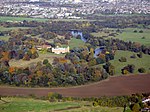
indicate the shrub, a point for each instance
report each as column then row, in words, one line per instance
column 141, row 31
column 133, row 56
column 123, row 59
column 45, row 61
column 54, row 96
column 141, row 70
column 140, row 55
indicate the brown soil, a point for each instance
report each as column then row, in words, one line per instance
column 114, row 86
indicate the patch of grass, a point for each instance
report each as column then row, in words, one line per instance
column 99, row 34
column 5, row 38
column 16, row 104
column 13, row 19
column 138, row 62
column 28, row 105
column 70, row 20
column 42, row 56
column 12, row 28
column 76, row 43
column 97, row 109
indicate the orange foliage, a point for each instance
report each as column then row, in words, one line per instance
column 5, row 56
column 62, row 60
column 102, row 56
column 33, row 50
column 11, row 70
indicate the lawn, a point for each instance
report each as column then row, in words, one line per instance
column 15, row 104
column 76, row 43
column 13, row 19
column 42, row 56
column 138, row 62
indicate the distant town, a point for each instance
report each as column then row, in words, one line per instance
column 72, row 9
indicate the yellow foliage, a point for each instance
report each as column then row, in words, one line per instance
column 33, row 50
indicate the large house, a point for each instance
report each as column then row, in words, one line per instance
column 43, row 47
column 59, row 50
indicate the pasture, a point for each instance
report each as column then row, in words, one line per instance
column 127, row 34
column 138, row 62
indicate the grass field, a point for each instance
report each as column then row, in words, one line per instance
column 32, row 105
column 42, row 56
column 5, row 38
column 13, row 19
column 12, row 28
column 76, row 43
column 138, row 62
column 99, row 34
column 128, row 34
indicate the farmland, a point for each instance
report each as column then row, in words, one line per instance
column 114, row 86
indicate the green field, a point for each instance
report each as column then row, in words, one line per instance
column 129, row 35
column 5, row 38
column 138, row 62
column 99, row 34
column 14, row 19
column 76, row 43
column 11, row 104
column 12, row 28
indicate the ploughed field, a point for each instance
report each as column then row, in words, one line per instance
column 114, row 86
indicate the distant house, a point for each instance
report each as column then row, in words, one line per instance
column 59, row 50
column 43, row 47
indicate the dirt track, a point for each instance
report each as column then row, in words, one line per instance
column 115, row 86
